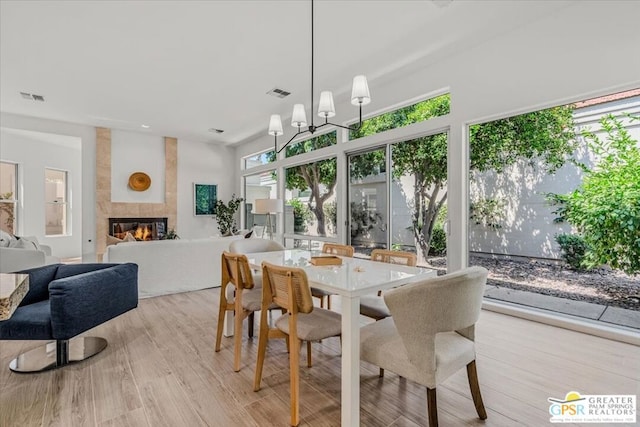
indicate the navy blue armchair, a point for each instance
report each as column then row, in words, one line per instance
column 64, row 301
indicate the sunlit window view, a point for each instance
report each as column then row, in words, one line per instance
column 311, row 144
column 8, row 196
column 554, row 207
column 414, row 218
column 56, row 203
column 415, row 113
column 256, row 187
column 259, row 159
column 311, row 199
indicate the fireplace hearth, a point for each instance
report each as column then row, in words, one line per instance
column 140, row 228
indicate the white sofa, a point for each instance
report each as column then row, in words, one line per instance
column 170, row 266
column 17, row 259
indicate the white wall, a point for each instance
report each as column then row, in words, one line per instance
column 87, row 134
column 33, row 154
column 137, row 152
column 204, row 164
column 538, row 65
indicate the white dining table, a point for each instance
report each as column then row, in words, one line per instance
column 354, row 278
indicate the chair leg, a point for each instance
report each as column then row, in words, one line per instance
column 432, row 407
column 221, row 313
column 263, row 337
column 251, row 322
column 322, row 301
column 237, row 338
column 474, row 385
column 294, row 367
column 381, row 373
column 328, row 302
column 308, row 354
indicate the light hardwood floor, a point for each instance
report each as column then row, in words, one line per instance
column 160, row 370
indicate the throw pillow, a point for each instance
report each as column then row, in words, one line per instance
column 5, row 239
column 33, row 240
column 112, row 240
column 22, row 244
column 129, row 238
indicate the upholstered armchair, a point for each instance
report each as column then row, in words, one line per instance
column 64, row 301
column 430, row 334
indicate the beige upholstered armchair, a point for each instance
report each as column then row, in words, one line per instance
column 430, row 335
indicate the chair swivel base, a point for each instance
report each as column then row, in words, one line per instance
column 56, row 354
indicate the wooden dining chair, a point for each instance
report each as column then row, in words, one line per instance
column 333, row 249
column 247, row 299
column 289, row 289
column 371, row 305
column 431, row 334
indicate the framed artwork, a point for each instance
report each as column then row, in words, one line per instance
column 204, row 199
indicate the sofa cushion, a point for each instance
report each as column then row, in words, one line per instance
column 39, row 279
column 34, row 320
column 5, row 239
column 31, row 239
column 22, row 244
column 67, row 270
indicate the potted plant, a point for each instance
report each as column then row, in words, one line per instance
column 225, row 215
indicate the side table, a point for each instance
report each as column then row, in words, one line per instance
column 13, row 288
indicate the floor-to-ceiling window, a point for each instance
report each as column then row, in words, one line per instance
column 259, row 186
column 554, row 207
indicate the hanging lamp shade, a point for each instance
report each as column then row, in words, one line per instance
column 360, row 91
column 326, row 107
column 275, row 125
column 299, row 117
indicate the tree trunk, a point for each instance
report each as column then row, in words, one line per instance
column 425, row 213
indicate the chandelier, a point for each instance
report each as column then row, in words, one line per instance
column 359, row 96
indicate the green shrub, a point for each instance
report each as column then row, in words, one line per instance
column 573, row 249
column 605, row 208
column 438, row 243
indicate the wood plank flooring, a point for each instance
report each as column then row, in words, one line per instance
column 160, row 369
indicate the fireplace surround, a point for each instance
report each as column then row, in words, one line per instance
column 140, row 228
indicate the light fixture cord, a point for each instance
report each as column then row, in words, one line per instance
column 311, row 127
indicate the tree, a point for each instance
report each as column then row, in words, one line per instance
column 318, row 177
column 605, row 208
column 546, row 135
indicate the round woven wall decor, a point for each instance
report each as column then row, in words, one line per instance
column 139, row 181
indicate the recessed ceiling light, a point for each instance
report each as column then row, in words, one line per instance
column 214, row 130
column 146, row 126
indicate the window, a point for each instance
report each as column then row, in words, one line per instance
column 311, row 144
column 423, row 110
column 56, row 202
column 560, row 184
column 259, row 159
column 310, row 198
column 259, row 186
column 8, row 196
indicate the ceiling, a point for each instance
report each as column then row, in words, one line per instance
column 183, row 67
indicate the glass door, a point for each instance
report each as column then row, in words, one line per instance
column 368, row 200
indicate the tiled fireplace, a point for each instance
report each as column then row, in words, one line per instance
column 167, row 212
column 140, row 228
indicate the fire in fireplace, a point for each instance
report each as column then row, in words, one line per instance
column 140, row 228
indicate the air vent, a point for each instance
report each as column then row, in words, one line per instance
column 280, row 93
column 32, row 97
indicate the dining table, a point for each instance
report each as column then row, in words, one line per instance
column 350, row 280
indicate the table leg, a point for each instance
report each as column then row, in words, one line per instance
column 350, row 361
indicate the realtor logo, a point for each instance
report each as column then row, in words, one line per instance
column 605, row 408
